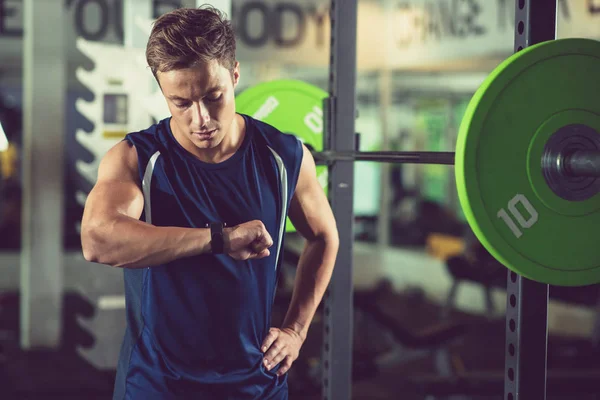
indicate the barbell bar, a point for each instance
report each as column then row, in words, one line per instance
column 574, row 164
column 580, row 163
column 417, row 157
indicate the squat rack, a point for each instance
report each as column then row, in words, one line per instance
column 527, row 301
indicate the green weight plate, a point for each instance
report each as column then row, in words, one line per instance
column 293, row 107
column 501, row 188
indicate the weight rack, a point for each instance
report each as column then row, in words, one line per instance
column 338, row 135
column 527, row 301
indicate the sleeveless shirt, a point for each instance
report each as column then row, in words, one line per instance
column 195, row 325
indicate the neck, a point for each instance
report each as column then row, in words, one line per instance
column 231, row 142
column 225, row 149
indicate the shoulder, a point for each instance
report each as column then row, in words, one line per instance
column 149, row 140
column 153, row 132
column 119, row 162
column 284, row 144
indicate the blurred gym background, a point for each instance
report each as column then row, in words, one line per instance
column 429, row 304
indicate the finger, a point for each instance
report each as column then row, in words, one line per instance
column 264, row 238
column 285, row 366
column 268, row 239
column 269, row 339
column 262, row 254
column 259, row 249
column 276, row 360
column 259, row 246
column 273, row 352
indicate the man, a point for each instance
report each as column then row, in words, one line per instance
column 193, row 209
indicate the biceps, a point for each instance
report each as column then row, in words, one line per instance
column 108, row 199
column 310, row 211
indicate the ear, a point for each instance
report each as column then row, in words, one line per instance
column 236, row 74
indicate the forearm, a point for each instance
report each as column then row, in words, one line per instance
column 313, row 274
column 125, row 242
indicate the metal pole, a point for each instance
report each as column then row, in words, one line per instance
column 417, row 157
column 582, row 163
column 44, row 83
column 338, row 304
column 577, row 163
column 527, row 301
column 385, row 105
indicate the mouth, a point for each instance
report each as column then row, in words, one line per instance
column 204, row 135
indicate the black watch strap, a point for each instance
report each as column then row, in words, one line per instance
column 216, row 237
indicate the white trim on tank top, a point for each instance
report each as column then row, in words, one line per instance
column 284, row 200
column 146, row 186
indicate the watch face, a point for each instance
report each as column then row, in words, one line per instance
column 216, row 235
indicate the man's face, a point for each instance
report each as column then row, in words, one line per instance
column 202, row 102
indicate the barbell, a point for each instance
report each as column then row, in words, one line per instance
column 527, row 157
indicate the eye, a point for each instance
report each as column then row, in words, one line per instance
column 182, row 105
column 214, row 99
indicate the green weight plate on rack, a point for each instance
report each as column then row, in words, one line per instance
column 292, row 106
column 501, row 186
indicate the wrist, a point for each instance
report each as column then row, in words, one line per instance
column 216, row 244
column 227, row 239
column 297, row 328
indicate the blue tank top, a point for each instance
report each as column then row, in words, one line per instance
column 195, row 325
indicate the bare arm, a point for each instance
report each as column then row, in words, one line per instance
column 312, row 216
column 111, row 232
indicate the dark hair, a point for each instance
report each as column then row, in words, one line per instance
column 187, row 36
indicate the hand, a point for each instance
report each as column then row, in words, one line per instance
column 281, row 345
column 247, row 241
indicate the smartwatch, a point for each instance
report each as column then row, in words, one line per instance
column 216, row 237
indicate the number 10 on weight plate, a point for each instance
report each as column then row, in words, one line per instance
column 515, row 215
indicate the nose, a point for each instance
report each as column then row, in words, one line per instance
column 201, row 116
